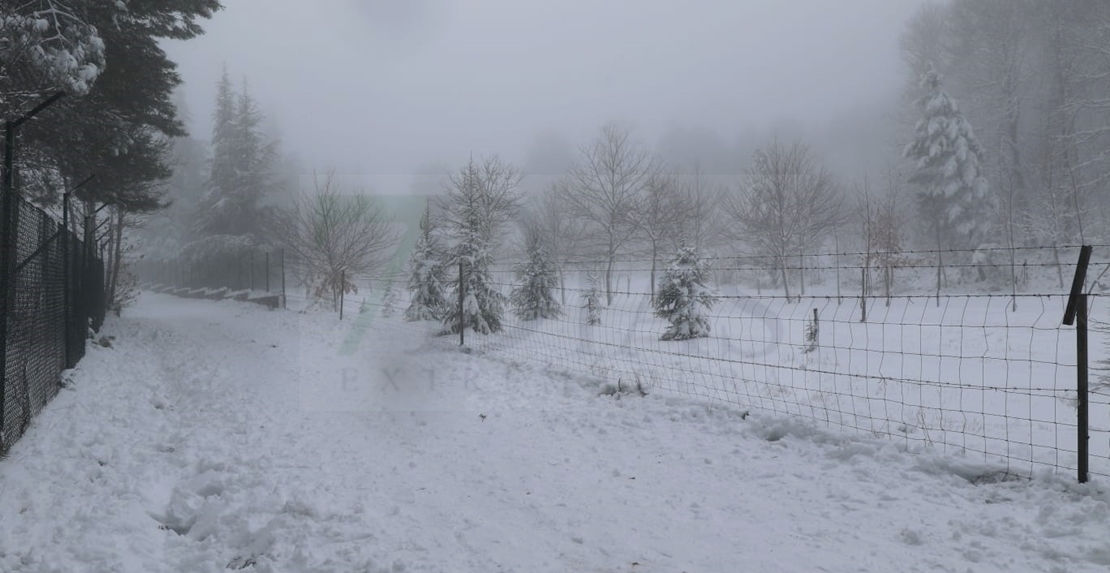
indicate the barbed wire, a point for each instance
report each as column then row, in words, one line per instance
column 624, row 258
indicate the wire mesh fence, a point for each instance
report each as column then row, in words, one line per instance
column 981, row 366
column 963, row 352
column 53, row 295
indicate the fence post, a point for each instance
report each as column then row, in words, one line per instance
column 267, row 271
column 342, row 291
column 67, row 274
column 462, row 309
column 283, row 305
column 250, row 267
column 1081, row 385
column 1076, row 313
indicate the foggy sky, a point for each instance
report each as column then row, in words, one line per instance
column 380, row 87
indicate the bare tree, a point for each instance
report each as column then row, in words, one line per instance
column 819, row 204
column 866, row 221
column 335, row 236
column 702, row 221
column 925, row 41
column 658, row 217
column 605, row 187
column 562, row 233
column 120, row 284
column 787, row 203
column 889, row 234
column 487, row 193
column 879, row 225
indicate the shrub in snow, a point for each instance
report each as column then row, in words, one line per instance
column 987, row 261
column 481, row 307
column 684, row 299
column 535, row 297
column 592, row 298
column 811, row 333
column 427, row 275
column 389, row 301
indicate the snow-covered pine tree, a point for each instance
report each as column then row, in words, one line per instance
column 954, row 194
column 535, row 297
column 592, row 298
column 242, row 163
column 427, row 274
column 480, row 199
column 684, row 297
column 482, row 305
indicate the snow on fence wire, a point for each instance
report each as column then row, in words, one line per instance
column 52, row 289
column 254, row 275
column 972, row 371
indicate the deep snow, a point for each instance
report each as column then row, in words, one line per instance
column 216, row 436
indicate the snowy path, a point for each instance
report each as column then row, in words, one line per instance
column 217, row 436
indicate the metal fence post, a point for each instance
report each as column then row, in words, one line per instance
column 462, row 308
column 1076, row 313
column 267, row 271
column 1081, row 386
column 283, row 305
column 67, row 276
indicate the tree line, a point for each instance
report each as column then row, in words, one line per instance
column 118, row 119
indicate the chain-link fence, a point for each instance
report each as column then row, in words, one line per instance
column 52, row 293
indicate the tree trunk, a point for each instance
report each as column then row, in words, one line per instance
column 940, row 261
column 802, row 274
column 609, row 282
column 888, row 278
column 117, row 261
column 1059, row 267
column 785, row 283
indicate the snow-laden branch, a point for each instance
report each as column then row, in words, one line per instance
column 46, row 46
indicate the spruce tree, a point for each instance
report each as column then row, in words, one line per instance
column 535, row 297
column 684, row 297
column 427, row 274
column 232, row 208
column 953, row 192
column 479, row 200
column 254, row 162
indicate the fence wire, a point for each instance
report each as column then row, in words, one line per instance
column 983, row 370
column 972, row 371
column 53, row 296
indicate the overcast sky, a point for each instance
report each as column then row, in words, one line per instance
column 381, row 86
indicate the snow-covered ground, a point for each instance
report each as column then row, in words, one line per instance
column 222, row 436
